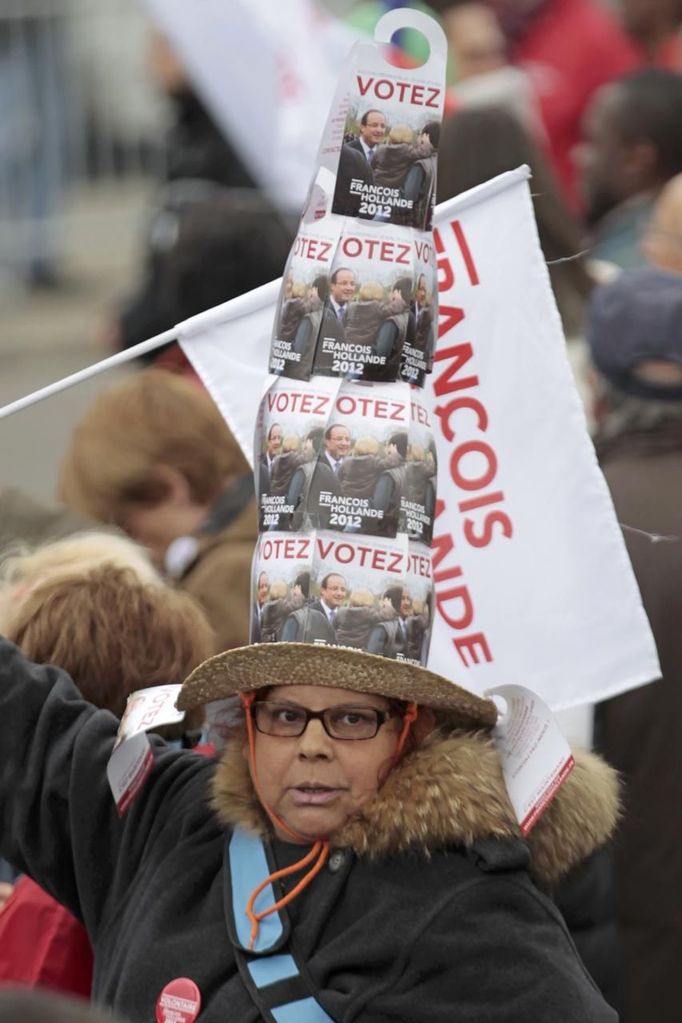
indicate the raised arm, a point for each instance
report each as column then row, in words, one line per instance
column 58, row 820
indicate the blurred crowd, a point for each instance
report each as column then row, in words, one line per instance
column 149, row 544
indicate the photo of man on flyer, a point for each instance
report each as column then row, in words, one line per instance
column 395, row 178
column 365, row 326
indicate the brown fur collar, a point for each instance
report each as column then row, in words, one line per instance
column 450, row 792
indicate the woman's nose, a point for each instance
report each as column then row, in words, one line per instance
column 315, row 743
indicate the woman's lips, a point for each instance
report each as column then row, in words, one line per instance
column 313, row 795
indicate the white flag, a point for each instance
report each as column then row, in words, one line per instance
column 532, row 578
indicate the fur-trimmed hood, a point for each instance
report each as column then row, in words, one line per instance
column 450, row 791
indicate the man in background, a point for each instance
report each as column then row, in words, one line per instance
column 635, row 339
column 633, row 146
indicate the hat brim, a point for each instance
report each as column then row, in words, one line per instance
column 249, row 668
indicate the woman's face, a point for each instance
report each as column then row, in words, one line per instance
column 315, row 783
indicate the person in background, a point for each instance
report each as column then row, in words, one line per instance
column 21, row 565
column 262, row 594
column 569, row 49
column 93, row 605
column 476, row 43
column 211, row 235
column 635, row 340
column 662, row 242
column 632, row 147
column 285, row 464
column 37, row 117
column 356, row 620
column 390, row 486
column 656, row 25
column 306, row 624
column 154, row 456
column 23, row 519
column 479, row 68
column 394, row 157
column 389, row 635
column 479, row 143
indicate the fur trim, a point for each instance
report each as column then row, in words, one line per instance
column 450, row 791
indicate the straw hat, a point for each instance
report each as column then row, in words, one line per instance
column 260, row 665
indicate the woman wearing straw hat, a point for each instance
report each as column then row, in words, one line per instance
column 361, row 859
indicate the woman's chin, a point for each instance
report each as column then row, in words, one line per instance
column 310, row 824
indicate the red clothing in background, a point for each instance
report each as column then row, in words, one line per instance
column 570, row 49
column 42, row 944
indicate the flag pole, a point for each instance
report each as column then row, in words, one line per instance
column 90, row 371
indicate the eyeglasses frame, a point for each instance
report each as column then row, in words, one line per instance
column 318, row 715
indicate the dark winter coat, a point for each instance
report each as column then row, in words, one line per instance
column 352, row 167
column 388, row 639
column 275, row 612
column 415, row 630
column 308, row 625
column 359, row 473
column 365, row 316
column 427, row 192
column 425, row 912
column 354, row 624
column 283, row 468
column 388, row 495
column 638, row 731
column 392, row 160
column 423, row 337
column 293, row 311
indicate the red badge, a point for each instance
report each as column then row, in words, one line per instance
column 179, row 1002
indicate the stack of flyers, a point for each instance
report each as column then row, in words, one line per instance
column 344, row 454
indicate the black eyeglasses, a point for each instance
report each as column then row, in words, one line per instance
column 343, row 722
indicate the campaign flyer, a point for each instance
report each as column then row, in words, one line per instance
column 376, row 594
column 420, row 340
column 357, row 306
column 280, row 583
column 362, row 592
column 290, row 429
column 303, row 299
column 386, row 170
column 351, row 457
column 418, row 497
column 367, row 315
column 358, row 482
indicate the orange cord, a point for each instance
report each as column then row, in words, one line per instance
column 411, row 715
column 321, row 850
